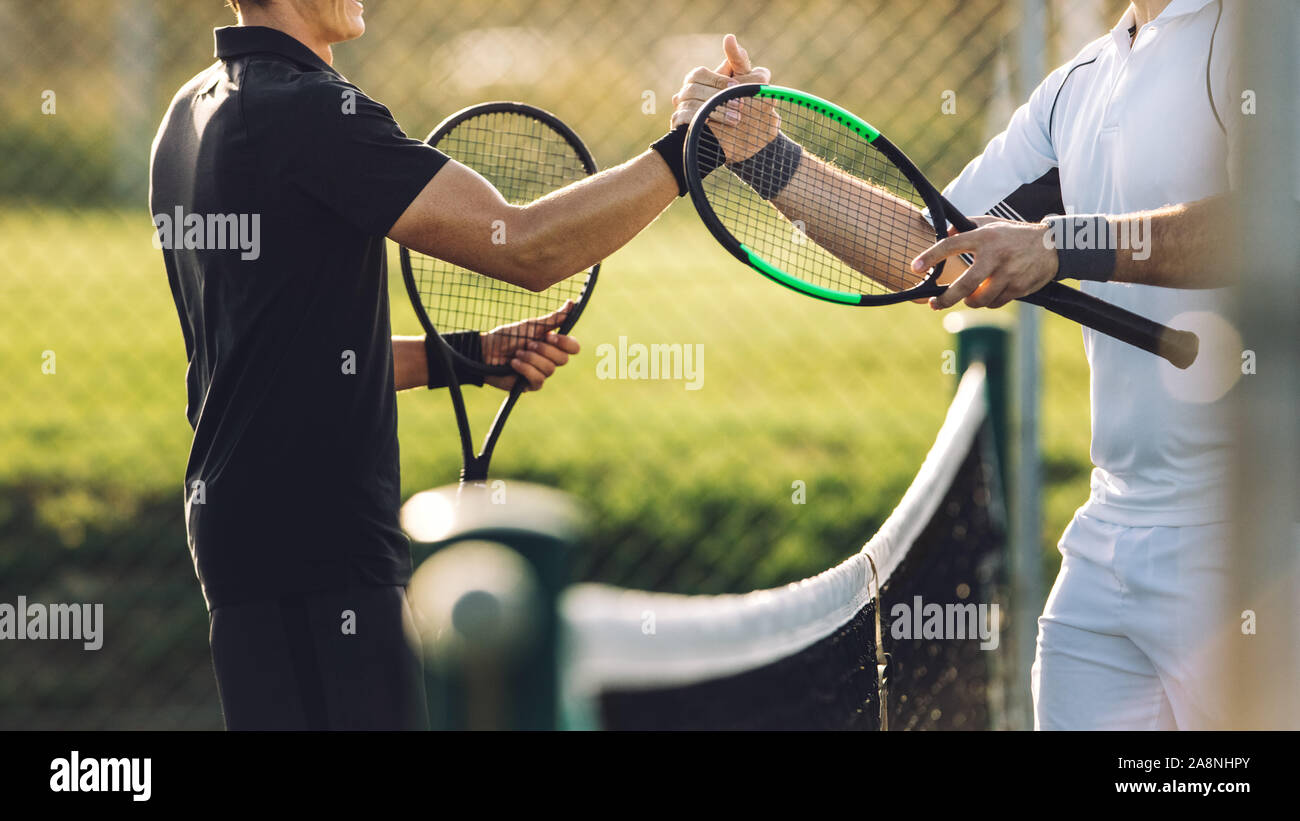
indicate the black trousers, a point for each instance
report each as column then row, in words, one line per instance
column 323, row 661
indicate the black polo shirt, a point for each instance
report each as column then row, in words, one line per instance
column 274, row 182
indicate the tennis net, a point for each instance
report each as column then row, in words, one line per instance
column 807, row 656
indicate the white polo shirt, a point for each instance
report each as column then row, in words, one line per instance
column 1122, row 129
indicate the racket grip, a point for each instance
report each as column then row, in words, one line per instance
column 1179, row 348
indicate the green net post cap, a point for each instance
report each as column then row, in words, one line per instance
column 484, row 601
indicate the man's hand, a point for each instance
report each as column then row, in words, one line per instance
column 701, row 84
column 1012, row 259
column 532, row 348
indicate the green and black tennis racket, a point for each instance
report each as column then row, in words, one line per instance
column 822, row 203
column 526, row 153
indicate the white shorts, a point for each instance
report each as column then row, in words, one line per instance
column 1134, row 629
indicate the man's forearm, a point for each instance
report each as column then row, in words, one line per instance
column 574, row 228
column 410, row 365
column 867, row 228
column 1178, row 246
column 461, row 218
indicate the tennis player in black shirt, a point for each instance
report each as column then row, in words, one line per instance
column 274, row 182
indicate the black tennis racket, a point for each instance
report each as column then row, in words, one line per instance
column 820, row 202
column 526, row 153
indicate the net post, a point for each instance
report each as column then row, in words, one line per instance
column 1025, row 389
column 984, row 338
column 989, row 342
column 484, row 602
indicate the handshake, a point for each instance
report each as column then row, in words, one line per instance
column 700, row 84
column 729, row 143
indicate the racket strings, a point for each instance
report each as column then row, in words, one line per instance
column 848, row 236
column 525, row 159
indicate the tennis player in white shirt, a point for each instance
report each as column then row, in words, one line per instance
column 1134, row 138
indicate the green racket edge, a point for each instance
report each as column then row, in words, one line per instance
column 777, row 275
column 824, row 107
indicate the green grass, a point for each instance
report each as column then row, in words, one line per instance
column 688, row 490
column 846, row 400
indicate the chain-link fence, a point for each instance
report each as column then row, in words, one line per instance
column 782, row 456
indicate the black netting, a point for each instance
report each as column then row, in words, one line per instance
column 934, row 684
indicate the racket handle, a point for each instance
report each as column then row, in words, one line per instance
column 1178, row 347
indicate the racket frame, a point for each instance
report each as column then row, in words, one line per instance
column 475, row 466
column 408, row 275
column 1177, row 347
column 695, row 185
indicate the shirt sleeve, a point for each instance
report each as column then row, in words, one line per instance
column 349, row 153
column 1017, row 177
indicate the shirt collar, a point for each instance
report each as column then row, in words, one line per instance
column 1180, row 7
column 1177, row 8
column 232, row 41
column 1174, row 9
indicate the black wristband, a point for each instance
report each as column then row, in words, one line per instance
column 770, row 170
column 672, row 147
column 1084, row 249
column 466, row 343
